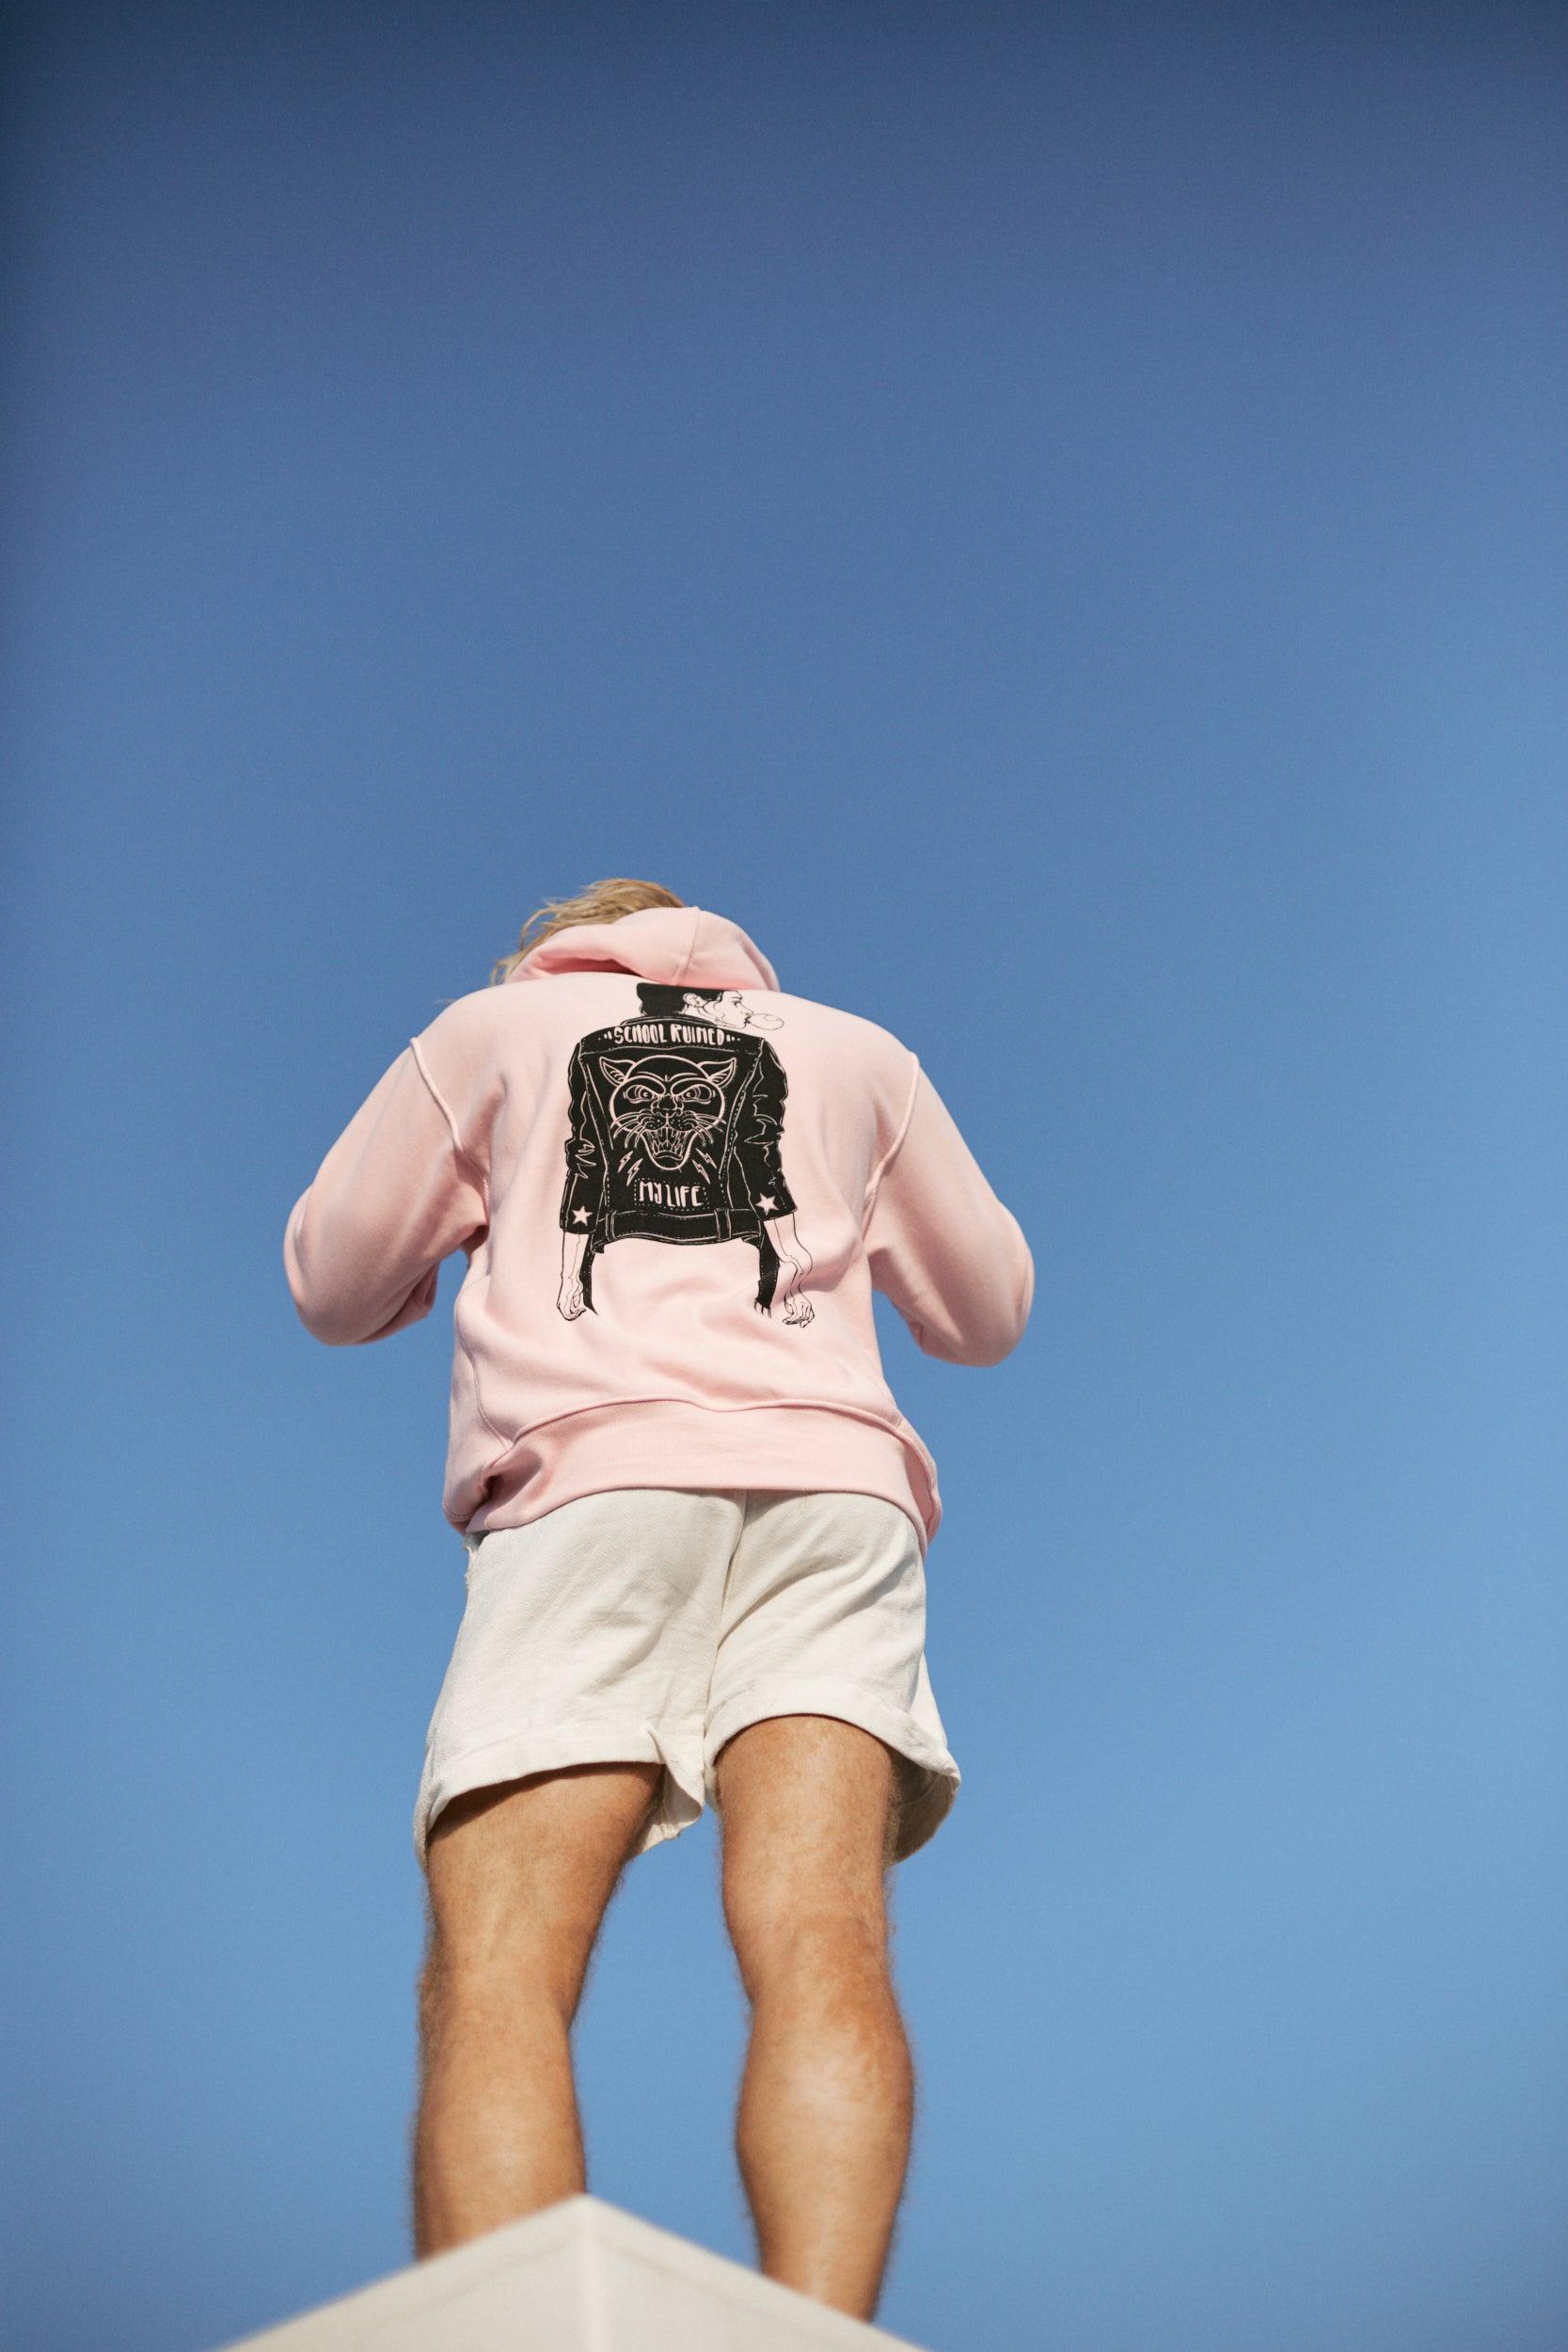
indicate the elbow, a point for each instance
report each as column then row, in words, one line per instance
column 349, row 1323
column 351, row 1320
column 326, row 1318
column 1024, row 1298
column 326, row 1322
column 1021, row 1297
column 306, row 1305
column 991, row 1336
column 978, row 1318
column 324, row 1309
column 997, row 1346
column 989, row 1344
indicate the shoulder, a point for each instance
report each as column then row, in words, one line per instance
column 464, row 1020
column 468, row 1035
column 850, row 1032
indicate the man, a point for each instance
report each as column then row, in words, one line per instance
column 696, row 1525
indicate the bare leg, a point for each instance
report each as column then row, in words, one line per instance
column 518, row 1877
column 826, row 2112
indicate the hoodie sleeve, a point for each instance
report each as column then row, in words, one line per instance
column 941, row 1247
column 398, row 1192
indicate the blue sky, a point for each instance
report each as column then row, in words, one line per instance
column 1055, row 520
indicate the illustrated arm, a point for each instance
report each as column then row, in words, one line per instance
column 762, row 1127
column 584, row 1187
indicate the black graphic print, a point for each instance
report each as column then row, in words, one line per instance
column 677, row 1118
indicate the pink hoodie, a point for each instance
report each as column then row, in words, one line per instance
column 646, row 1084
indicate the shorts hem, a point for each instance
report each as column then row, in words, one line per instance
column 678, row 1801
column 930, row 1779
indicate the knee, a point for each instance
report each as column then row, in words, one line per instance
column 798, row 1950
column 467, row 1971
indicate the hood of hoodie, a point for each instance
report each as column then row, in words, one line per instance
column 678, row 947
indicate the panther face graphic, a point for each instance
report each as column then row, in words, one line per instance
column 665, row 1101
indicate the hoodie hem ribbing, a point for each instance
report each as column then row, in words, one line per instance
column 670, row 1442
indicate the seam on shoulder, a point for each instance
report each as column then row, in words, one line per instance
column 874, row 1185
column 459, row 1147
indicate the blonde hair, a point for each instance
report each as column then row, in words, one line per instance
column 601, row 902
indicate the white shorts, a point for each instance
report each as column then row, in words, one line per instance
column 650, row 1623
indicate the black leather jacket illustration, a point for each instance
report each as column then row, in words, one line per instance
column 676, row 1126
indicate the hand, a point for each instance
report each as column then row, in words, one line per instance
column 797, row 1307
column 571, row 1301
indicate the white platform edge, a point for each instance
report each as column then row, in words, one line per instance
column 580, row 2276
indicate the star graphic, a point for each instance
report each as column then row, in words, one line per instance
column 765, row 1201
column 579, row 1217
